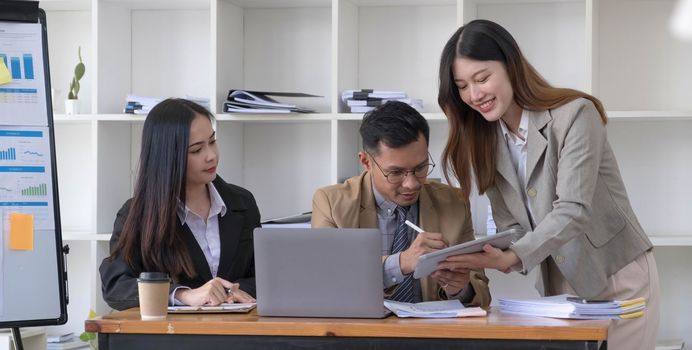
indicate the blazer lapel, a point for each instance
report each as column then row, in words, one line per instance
column 504, row 162
column 230, row 228
column 196, row 254
column 536, row 141
column 510, row 188
column 368, row 209
column 427, row 212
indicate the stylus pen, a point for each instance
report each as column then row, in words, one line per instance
column 413, row 226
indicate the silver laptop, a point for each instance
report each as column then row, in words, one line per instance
column 319, row 272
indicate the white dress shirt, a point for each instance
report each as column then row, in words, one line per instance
column 518, row 151
column 205, row 231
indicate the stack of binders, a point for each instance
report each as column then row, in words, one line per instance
column 245, row 101
column 365, row 100
column 568, row 306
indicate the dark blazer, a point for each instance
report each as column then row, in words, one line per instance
column 237, row 264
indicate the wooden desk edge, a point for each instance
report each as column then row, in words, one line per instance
column 508, row 327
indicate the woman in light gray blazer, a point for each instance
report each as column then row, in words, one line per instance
column 541, row 155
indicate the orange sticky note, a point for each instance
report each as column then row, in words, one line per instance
column 21, row 231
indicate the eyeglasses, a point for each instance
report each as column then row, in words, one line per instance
column 397, row 176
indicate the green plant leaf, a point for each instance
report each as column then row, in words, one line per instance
column 79, row 71
column 87, row 336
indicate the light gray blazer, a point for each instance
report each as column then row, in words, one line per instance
column 583, row 218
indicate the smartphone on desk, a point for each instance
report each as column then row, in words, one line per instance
column 579, row 300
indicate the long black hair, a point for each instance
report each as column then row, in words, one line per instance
column 151, row 226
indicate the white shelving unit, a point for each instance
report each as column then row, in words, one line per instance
column 620, row 50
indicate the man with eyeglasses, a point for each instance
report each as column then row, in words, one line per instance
column 393, row 189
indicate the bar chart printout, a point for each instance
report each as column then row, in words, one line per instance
column 23, row 99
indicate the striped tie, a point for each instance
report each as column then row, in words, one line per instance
column 404, row 292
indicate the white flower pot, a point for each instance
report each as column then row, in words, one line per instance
column 71, row 107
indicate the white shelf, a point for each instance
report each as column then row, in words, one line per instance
column 671, row 240
column 161, row 4
column 80, row 118
column 289, row 117
column 85, row 236
column 280, row 3
column 65, row 5
column 373, row 3
column 359, row 116
column 234, row 117
column 649, row 115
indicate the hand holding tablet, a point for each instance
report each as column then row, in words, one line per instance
column 427, row 263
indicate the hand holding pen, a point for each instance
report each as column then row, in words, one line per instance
column 425, row 242
column 452, row 282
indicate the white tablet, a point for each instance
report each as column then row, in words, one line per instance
column 427, row 263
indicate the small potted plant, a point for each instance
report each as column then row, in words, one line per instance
column 73, row 94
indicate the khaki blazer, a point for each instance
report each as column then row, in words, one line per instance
column 584, row 223
column 441, row 209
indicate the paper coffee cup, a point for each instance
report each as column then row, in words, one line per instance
column 153, row 295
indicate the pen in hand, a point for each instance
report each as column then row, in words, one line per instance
column 420, row 230
column 413, row 226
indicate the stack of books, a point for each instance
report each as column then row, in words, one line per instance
column 365, row 100
column 568, row 306
column 246, row 101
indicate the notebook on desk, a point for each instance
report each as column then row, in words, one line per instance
column 304, row 272
column 205, row 309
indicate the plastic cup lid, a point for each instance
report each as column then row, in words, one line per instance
column 153, row 277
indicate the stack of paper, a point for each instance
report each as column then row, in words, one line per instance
column 301, row 220
column 57, row 338
column 568, row 306
column 140, row 104
column 433, row 309
column 63, row 342
column 245, row 101
column 365, row 100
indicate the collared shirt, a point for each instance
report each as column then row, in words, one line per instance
column 387, row 223
column 205, row 230
column 518, row 151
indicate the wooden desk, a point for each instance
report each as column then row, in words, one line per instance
column 125, row 330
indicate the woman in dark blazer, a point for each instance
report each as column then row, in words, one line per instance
column 183, row 219
column 542, row 156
